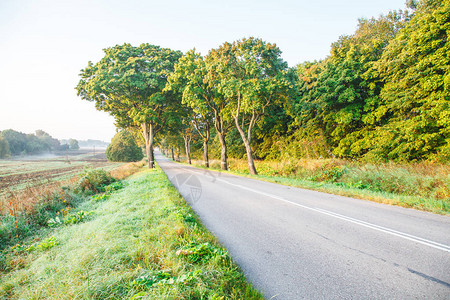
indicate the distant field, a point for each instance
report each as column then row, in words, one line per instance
column 23, row 172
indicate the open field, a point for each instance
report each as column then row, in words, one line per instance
column 19, row 173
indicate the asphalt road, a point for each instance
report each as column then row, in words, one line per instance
column 299, row 244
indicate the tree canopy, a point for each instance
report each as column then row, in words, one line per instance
column 123, row 148
column 128, row 83
column 383, row 93
column 415, row 71
column 250, row 76
column 73, row 144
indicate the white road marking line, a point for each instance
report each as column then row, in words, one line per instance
column 343, row 217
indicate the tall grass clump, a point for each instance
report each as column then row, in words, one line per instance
column 17, row 225
column 124, row 171
column 143, row 242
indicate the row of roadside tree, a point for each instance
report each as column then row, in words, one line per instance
column 383, row 93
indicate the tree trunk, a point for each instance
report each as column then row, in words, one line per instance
column 205, row 135
column 147, row 152
column 148, row 134
column 223, row 151
column 251, row 163
column 187, row 146
column 205, row 153
column 248, row 149
column 221, row 132
column 247, row 140
column 173, row 156
column 151, row 157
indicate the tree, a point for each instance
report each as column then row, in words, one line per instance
column 124, row 148
column 73, row 144
column 173, row 141
column 64, row 147
column 354, row 101
column 338, row 98
column 189, row 78
column 17, row 141
column 202, row 123
column 52, row 144
column 250, row 76
column 23, row 144
column 416, row 93
column 128, row 83
column 4, row 148
column 182, row 125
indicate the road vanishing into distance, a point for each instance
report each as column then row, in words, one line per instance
column 299, row 244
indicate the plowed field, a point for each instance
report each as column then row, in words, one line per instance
column 19, row 173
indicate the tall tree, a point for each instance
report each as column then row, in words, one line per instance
column 186, row 128
column 128, row 83
column 200, row 95
column 415, row 70
column 338, row 97
column 251, row 76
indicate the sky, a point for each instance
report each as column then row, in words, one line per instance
column 45, row 43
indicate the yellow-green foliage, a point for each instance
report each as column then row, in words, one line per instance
column 123, row 147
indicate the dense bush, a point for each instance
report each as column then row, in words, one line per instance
column 94, row 181
column 123, row 148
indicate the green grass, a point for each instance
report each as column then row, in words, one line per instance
column 422, row 186
column 143, row 242
column 440, row 206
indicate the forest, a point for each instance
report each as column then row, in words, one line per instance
column 16, row 143
column 382, row 94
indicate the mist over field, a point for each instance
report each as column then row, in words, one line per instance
column 41, row 156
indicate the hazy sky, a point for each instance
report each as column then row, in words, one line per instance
column 45, row 43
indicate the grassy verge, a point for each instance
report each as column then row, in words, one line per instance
column 25, row 214
column 422, row 186
column 141, row 242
